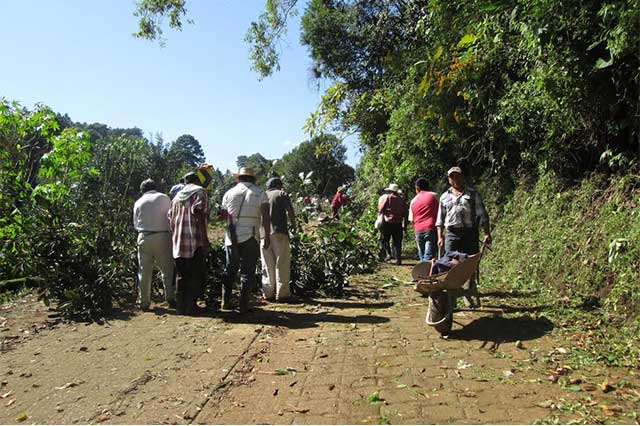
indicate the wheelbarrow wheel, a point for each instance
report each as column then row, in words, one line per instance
column 440, row 312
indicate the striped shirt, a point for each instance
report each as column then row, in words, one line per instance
column 188, row 220
column 461, row 211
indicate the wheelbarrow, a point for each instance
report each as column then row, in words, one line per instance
column 445, row 288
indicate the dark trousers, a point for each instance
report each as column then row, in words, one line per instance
column 464, row 240
column 244, row 257
column 190, row 276
column 388, row 231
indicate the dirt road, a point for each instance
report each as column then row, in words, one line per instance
column 367, row 358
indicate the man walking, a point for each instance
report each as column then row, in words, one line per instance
column 276, row 258
column 154, row 242
column 395, row 212
column 423, row 211
column 460, row 213
column 246, row 207
column 188, row 221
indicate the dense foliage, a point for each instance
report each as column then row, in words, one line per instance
column 66, row 196
column 323, row 257
column 503, row 88
column 578, row 253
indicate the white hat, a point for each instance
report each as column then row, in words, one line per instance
column 393, row 187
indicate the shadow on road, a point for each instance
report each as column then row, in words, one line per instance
column 494, row 331
column 350, row 304
column 296, row 320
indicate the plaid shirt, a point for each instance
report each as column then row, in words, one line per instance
column 188, row 221
column 463, row 211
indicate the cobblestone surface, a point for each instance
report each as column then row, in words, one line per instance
column 366, row 359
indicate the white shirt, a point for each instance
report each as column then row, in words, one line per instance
column 250, row 217
column 150, row 212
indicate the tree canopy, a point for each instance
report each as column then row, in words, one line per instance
column 323, row 157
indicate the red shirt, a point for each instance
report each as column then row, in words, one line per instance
column 424, row 210
column 338, row 200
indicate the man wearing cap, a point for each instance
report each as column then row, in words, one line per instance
column 154, row 242
column 460, row 213
column 188, row 220
column 276, row 258
column 395, row 220
column 423, row 210
column 246, row 208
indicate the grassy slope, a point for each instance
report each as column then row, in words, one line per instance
column 578, row 251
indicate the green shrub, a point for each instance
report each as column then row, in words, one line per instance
column 578, row 250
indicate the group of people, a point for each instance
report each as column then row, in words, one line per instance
column 172, row 234
column 451, row 223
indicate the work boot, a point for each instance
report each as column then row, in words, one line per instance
column 245, row 295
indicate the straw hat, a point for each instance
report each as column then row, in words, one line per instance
column 246, row 171
column 393, row 187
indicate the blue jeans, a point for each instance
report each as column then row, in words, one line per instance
column 427, row 244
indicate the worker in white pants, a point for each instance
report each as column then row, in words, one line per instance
column 276, row 258
column 154, row 248
column 154, row 242
column 276, row 268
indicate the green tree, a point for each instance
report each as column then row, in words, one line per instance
column 261, row 165
column 325, row 157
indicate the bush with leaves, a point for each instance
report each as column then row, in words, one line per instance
column 325, row 256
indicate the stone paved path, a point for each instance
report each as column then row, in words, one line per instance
column 365, row 359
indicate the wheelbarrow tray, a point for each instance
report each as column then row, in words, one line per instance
column 453, row 279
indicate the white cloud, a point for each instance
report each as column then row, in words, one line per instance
column 287, row 143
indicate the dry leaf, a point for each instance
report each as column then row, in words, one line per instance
column 10, row 402
column 588, row 387
column 103, row 418
column 575, row 381
column 22, row 417
column 545, row 404
column 606, row 386
column 298, row 410
column 3, row 396
column 67, row 385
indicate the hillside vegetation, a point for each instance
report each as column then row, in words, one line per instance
column 578, row 252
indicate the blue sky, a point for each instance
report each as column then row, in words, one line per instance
column 79, row 58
